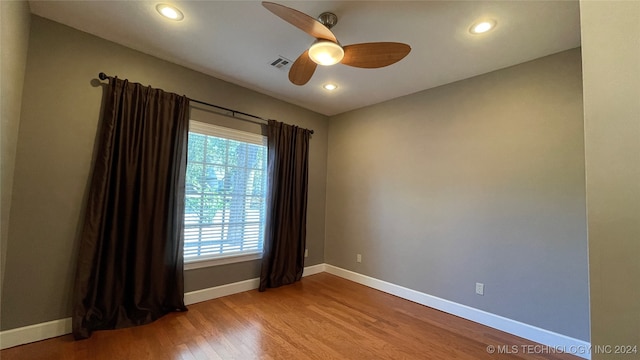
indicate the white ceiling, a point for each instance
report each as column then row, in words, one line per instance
column 237, row 40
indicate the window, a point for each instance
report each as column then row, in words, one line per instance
column 225, row 193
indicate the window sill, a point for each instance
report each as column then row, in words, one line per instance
column 209, row 262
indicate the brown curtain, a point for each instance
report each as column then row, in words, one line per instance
column 285, row 228
column 130, row 260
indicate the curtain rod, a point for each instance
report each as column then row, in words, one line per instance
column 103, row 76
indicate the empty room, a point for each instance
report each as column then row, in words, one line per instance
column 320, row 180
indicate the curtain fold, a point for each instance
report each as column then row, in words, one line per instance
column 285, row 228
column 130, row 262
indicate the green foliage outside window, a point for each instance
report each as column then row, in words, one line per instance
column 220, row 174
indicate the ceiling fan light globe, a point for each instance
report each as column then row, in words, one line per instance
column 326, row 53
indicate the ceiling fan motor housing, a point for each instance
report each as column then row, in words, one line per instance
column 328, row 19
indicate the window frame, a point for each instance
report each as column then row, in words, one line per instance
column 209, row 129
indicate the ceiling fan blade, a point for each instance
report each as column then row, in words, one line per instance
column 301, row 20
column 302, row 69
column 374, row 55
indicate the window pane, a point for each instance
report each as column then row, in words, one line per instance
column 196, row 147
column 255, row 149
column 216, row 150
column 225, row 195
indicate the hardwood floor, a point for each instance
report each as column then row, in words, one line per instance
column 321, row 317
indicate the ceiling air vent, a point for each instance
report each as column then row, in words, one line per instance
column 281, row 63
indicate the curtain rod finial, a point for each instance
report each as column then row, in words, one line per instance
column 102, row 76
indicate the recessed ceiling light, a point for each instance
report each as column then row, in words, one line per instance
column 170, row 12
column 482, row 26
column 330, row 86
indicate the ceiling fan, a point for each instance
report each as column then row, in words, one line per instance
column 326, row 50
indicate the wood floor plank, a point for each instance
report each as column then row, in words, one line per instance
column 322, row 317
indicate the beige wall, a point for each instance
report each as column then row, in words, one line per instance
column 481, row 180
column 14, row 37
column 611, row 65
column 61, row 107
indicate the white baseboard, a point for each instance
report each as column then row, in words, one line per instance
column 545, row 337
column 197, row 296
column 237, row 287
column 43, row 331
column 36, row 332
column 313, row 269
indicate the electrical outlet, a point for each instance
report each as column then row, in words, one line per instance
column 480, row 288
column 358, row 258
column 306, row 252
